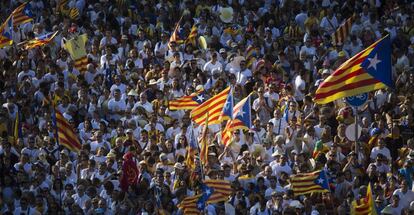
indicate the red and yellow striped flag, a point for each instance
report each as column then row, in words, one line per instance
column 368, row 70
column 22, row 14
column 174, row 36
column 364, row 206
column 187, row 102
column 6, row 32
column 340, row 35
column 204, row 143
column 65, row 133
column 212, row 106
column 313, row 182
column 222, row 190
column 40, row 41
column 189, row 205
column 77, row 51
column 192, row 36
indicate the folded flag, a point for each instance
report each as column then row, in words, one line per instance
column 305, row 183
column 40, row 41
column 187, row 102
column 213, row 106
column 204, row 143
column 364, row 206
column 368, row 70
column 191, row 151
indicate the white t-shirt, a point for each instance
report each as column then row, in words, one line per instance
column 114, row 105
column 377, row 150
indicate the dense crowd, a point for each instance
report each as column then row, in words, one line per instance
column 119, row 108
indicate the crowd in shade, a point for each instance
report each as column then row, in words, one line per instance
column 181, row 107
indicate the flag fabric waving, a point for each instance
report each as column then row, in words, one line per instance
column 187, row 102
column 222, row 190
column 366, row 71
column 175, row 36
column 241, row 119
column 77, row 51
column 213, row 191
column 227, row 113
column 192, row 37
column 6, row 32
column 22, row 14
column 340, row 35
column 40, row 41
column 204, row 143
column 212, row 106
column 314, row 182
column 364, row 206
column 65, row 133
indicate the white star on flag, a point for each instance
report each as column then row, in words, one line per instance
column 320, row 181
column 208, row 191
column 199, row 205
column 241, row 113
column 373, row 62
column 200, row 98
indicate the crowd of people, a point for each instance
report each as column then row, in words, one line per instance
column 119, row 107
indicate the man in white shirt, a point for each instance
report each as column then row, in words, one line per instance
column 212, row 64
column 244, row 74
column 116, row 105
column 143, row 102
column 279, row 124
column 80, row 198
column 300, row 86
column 406, row 195
column 107, row 40
column 380, row 149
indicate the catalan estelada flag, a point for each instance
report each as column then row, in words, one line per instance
column 189, row 205
column 77, row 51
column 340, row 35
column 65, row 133
column 22, row 14
column 175, row 36
column 364, row 206
column 212, row 106
column 241, row 119
column 227, row 113
column 314, row 182
column 6, row 32
column 40, row 41
column 192, row 37
column 187, row 102
column 222, row 190
column 204, row 143
column 366, row 71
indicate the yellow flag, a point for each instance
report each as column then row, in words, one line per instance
column 77, row 51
